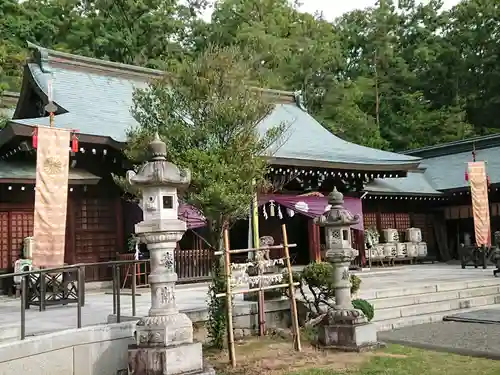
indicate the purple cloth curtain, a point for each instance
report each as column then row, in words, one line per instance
column 189, row 214
column 192, row 216
column 310, row 206
column 313, row 206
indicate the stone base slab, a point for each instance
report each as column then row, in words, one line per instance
column 348, row 337
column 172, row 360
column 165, row 330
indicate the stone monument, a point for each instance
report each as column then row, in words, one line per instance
column 164, row 338
column 342, row 327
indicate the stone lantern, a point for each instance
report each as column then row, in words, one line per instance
column 164, row 338
column 343, row 326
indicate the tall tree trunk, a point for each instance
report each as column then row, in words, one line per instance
column 377, row 94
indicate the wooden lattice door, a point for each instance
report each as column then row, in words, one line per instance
column 21, row 227
column 15, row 226
column 95, row 234
column 4, row 241
column 387, row 221
column 370, row 220
column 402, row 221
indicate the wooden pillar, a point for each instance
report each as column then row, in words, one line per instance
column 313, row 231
column 120, row 237
column 379, row 219
column 317, row 244
column 310, row 238
column 360, row 240
column 70, row 250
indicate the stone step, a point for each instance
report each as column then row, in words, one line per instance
column 373, row 294
column 418, row 299
column 9, row 332
column 435, row 307
column 390, row 324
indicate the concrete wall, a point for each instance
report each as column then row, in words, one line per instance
column 97, row 350
column 245, row 318
column 102, row 349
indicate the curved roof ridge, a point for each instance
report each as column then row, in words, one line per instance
column 456, row 147
column 46, row 55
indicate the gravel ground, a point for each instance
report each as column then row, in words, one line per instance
column 471, row 339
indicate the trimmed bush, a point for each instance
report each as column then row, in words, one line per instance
column 365, row 306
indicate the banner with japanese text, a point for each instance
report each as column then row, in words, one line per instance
column 51, row 196
column 480, row 205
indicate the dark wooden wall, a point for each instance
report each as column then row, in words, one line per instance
column 94, row 230
column 402, row 214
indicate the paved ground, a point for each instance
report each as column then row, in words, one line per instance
column 99, row 304
column 471, row 339
column 487, row 316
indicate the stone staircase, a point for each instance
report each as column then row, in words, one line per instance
column 426, row 303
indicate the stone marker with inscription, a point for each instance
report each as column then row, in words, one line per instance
column 164, row 338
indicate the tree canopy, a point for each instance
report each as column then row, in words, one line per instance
column 398, row 75
column 208, row 121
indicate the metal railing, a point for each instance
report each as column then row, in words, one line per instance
column 35, row 282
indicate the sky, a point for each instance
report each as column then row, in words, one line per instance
column 335, row 8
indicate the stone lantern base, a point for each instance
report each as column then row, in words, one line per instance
column 172, row 360
column 348, row 330
column 165, row 347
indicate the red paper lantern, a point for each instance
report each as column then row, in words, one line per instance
column 466, row 176
column 35, row 138
column 74, row 143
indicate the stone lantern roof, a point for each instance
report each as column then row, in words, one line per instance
column 158, row 171
column 337, row 215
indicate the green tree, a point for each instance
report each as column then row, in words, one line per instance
column 12, row 53
column 470, row 69
column 207, row 114
column 149, row 33
column 395, row 48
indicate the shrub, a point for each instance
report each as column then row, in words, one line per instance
column 217, row 307
column 318, row 279
column 365, row 306
column 355, row 284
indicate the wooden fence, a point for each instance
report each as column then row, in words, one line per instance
column 193, row 265
column 190, row 266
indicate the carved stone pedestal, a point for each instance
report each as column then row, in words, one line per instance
column 171, row 360
column 347, row 330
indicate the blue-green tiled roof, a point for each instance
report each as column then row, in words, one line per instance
column 306, row 138
column 415, row 183
column 27, row 171
column 448, row 171
column 99, row 103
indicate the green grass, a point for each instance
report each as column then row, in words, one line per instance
column 399, row 360
column 275, row 356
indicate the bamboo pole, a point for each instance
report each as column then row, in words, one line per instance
column 229, row 302
column 256, row 244
column 293, row 302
